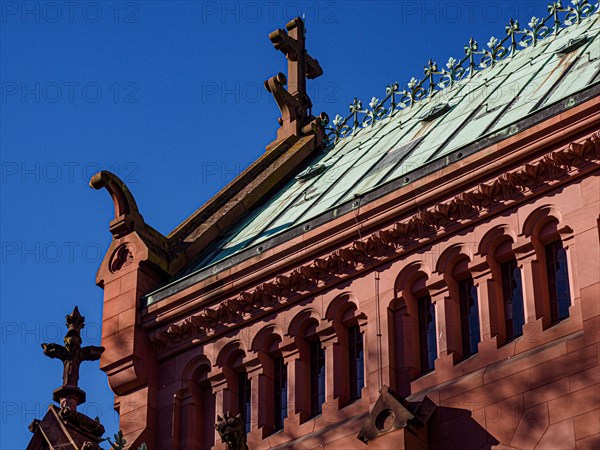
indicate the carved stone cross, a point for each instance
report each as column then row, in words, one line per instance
column 72, row 355
column 294, row 103
column 300, row 64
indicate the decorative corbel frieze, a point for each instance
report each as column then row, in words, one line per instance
column 385, row 243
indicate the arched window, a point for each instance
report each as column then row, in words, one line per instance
column 554, row 294
column 272, row 370
column 347, row 352
column 306, row 366
column 507, row 307
column 512, row 299
column 356, row 362
column 511, row 287
column 427, row 334
column 463, row 290
column 194, row 414
column 206, row 413
column 244, row 399
column 232, row 382
column 317, row 377
column 469, row 316
column 461, row 304
column 558, row 280
column 412, row 322
column 280, row 392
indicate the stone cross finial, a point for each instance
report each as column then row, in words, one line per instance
column 294, row 103
column 300, row 64
column 72, row 355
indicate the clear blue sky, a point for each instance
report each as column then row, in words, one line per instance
column 170, row 97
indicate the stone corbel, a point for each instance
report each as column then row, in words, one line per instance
column 394, row 422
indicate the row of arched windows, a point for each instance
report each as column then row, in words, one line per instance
column 490, row 295
column 508, row 283
column 255, row 382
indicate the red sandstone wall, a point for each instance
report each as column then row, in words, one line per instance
column 540, row 391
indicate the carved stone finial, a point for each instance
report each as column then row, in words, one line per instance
column 126, row 209
column 75, row 321
column 232, row 432
column 294, row 103
column 72, row 355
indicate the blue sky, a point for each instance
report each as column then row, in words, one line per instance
column 170, row 97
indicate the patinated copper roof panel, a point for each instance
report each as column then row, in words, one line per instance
column 409, row 128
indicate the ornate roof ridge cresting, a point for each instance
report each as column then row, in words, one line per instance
column 383, row 244
column 437, row 79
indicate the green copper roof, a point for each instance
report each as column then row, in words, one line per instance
column 425, row 126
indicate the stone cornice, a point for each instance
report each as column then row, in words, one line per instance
column 383, row 244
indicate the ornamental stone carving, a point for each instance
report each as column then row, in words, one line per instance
column 387, row 242
column 231, row 430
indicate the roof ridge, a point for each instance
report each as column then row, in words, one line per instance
column 456, row 71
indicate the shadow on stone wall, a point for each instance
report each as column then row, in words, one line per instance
column 455, row 429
